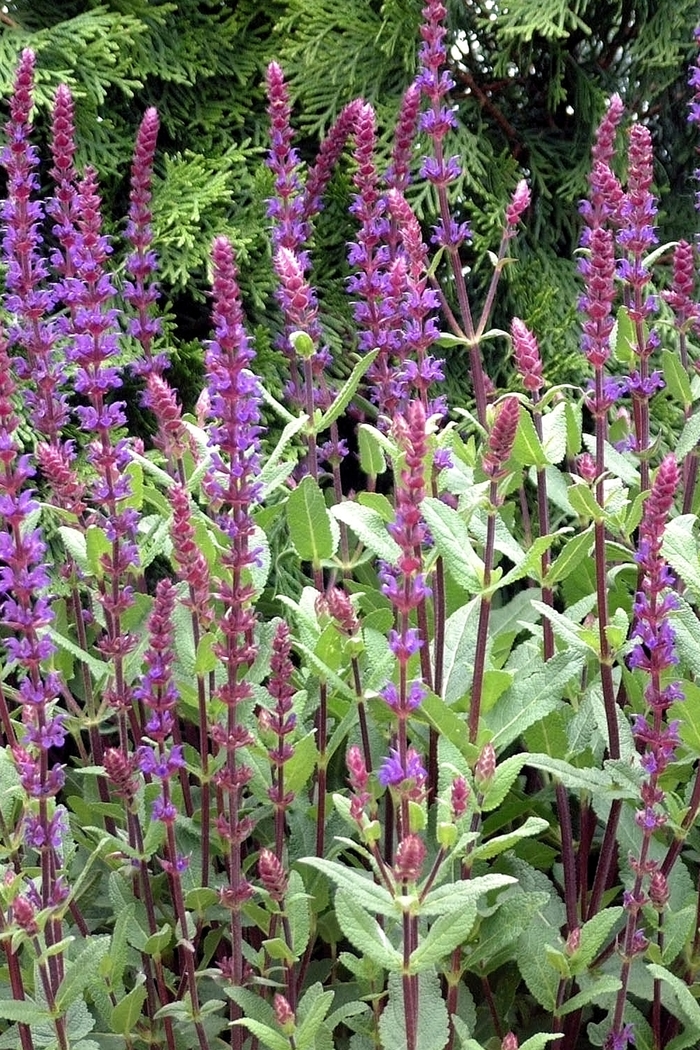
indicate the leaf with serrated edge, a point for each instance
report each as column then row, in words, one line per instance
column 527, row 701
column 311, row 528
column 369, row 528
column 360, row 885
column 364, row 932
column 433, row 1021
column 500, row 843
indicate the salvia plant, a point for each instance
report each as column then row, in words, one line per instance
column 354, row 718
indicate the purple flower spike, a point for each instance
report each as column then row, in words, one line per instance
column 141, row 292
column 399, row 174
column 328, row 156
column 598, row 271
column 286, row 207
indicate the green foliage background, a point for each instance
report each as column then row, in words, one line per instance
column 531, row 82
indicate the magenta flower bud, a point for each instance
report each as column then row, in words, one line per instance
column 485, row 768
column 284, row 1015
column 357, row 769
column 24, row 915
column 412, row 239
column 573, row 941
column 398, row 176
column 410, row 857
column 519, row 203
column 459, row 797
column 586, row 467
column 527, row 355
column 272, row 874
column 510, row 1042
column 604, row 148
column 340, row 608
column 192, row 566
column 328, row 156
column 296, row 296
column 120, row 770
column 660, row 501
column 141, row 291
column 172, row 436
column 501, row 437
column 659, row 893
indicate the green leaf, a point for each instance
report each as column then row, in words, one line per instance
column 584, row 502
column 376, row 501
column 573, row 553
column 96, row 545
column 594, row 934
column 75, row 544
column 680, row 549
column 530, row 565
column 300, row 767
column 539, row 975
column 450, row 726
column 364, row 932
column 127, row 1012
column 80, row 970
column 564, row 628
column 598, row 782
column 25, row 1011
column 622, row 338
column 685, row 1001
column 676, row 378
column 554, row 433
column 357, row 884
column 530, row 699
column 678, row 926
column 539, row 1041
column 372, row 458
column 574, row 424
column 532, row 826
column 502, row 782
column 346, row 393
column 268, row 1036
column 459, row 650
column 298, row 909
column 431, row 1011
column 689, row 437
column 311, row 1013
column 158, row 942
column 451, row 897
column 444, row 935
column 499, row 931
column 527, row 448
column 312, row 530
column 369, row 528
column 206, row 659
column 453, row 544
column 98, row 669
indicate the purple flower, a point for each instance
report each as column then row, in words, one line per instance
column 392, row 772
